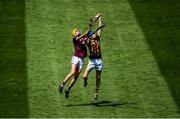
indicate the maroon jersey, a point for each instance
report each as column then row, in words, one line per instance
column 80, row 48
column 94, row 48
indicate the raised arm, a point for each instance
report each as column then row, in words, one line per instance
column 89, row 29
column 81, row 37
column 100, row 24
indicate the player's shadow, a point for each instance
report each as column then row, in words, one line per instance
column 104, row 103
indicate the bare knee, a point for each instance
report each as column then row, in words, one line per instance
column 74, row 69
column 72, row 72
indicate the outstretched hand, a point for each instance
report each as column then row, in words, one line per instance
column 98, row 15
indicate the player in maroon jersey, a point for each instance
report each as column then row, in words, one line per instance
column 77, row 60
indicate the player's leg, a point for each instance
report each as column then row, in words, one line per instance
column 89, row 68
column 98, row 79
column 76, row 75
column 71, row 74
column 74, row 65
column 99, row 66
column 73, row 81
column 85, row 76
column 68, row 77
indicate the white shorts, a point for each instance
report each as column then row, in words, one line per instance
column 95, row 63
column 78, row 61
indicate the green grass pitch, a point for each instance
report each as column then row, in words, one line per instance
column 140, row 48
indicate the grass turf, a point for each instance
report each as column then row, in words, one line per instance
column 133, row 84
column 13, row 71
column 159, row 21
